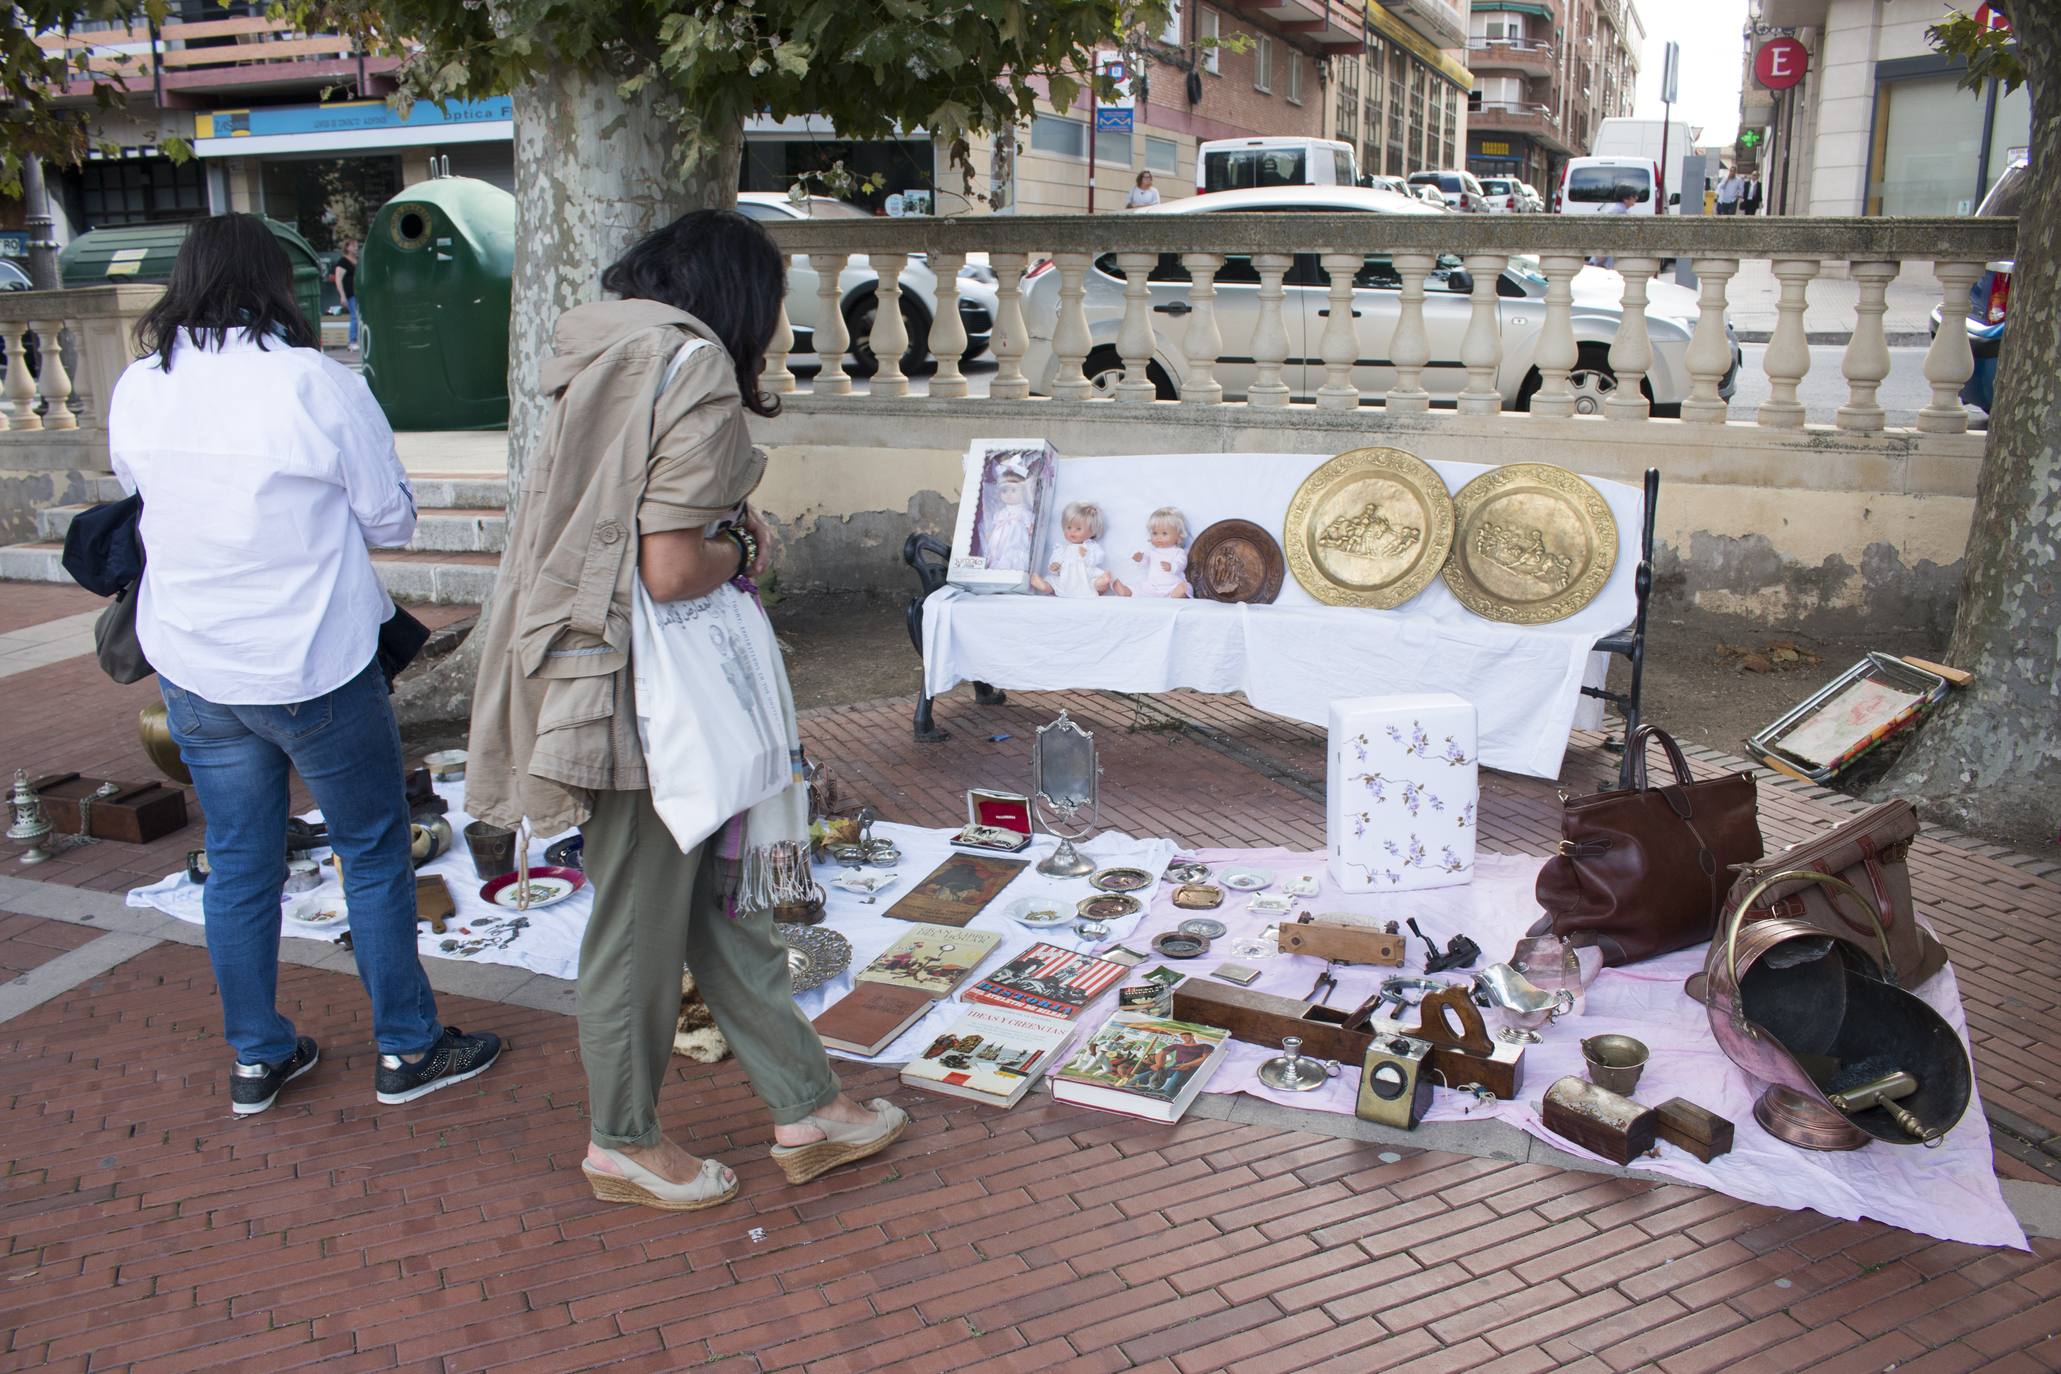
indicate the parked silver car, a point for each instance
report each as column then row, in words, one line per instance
column 1521, row 291
column 857, row 284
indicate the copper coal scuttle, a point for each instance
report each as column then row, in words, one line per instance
column 1848, row 1055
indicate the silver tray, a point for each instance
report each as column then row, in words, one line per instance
column 815, row 954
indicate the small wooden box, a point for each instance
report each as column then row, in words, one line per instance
column 1598, row 1120
column 134, row 813
column 1701, row 1132
column 1330, row 938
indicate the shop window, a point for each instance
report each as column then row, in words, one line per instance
column 1056, row 134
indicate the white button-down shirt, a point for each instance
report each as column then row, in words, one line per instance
column 267, row 476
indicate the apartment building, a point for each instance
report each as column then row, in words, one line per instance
column 1880, row 124
column 1401, row 99
column 1547, row 73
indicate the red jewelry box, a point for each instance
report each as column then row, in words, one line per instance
column 998, row 821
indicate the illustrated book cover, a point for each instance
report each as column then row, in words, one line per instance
column 869, row 1017
column 957, row 890
column 1046, row 980
column 932, row 959
column 1143, row 1066
column 989, row 1055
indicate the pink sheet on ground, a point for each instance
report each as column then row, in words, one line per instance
column 1950, row 1192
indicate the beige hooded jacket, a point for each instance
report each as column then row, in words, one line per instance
column 553, row 717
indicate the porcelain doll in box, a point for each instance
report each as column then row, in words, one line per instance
column 1165, row 563
column 1076, row 567
column 1004, row 515
column 1008, row 513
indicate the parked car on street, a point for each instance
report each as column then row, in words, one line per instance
column 1534, row 202
column 1238, row 164
column 1375, row 182
column 1377, row 290
column 1459, row 190
column 1505, row 195
column 858, row 283
column 1989, row 300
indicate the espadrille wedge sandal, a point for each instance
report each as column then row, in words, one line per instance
column 714, row 1185
column 842, row 1142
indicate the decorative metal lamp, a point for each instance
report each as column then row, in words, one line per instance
column 31, row 827
column 1064, row 775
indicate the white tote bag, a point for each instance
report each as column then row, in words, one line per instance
column 714, row 713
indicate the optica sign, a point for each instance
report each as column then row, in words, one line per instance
column 1780, row 63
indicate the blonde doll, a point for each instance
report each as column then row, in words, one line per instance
column 1166, row 563
column 1076, row 569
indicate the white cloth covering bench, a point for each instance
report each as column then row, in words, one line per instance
column 1295, row 656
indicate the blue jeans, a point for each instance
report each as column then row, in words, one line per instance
column 353, row 304
column 347, row 749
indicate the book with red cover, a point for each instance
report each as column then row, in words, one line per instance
column 869, row 1017
column 1046, row 980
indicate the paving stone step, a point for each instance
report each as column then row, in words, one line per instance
column 441, row 578
column 455, row 514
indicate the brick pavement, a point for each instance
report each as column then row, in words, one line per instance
column 147, row 1229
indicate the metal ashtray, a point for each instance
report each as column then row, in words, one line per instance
column 302, row 875
column 850, row 855
column 1204, row 926
column 1615, row 1062
column 882, row 853
column 1176, row 945
column 1198, row 896
column 1091, row 930
column 1185, row 871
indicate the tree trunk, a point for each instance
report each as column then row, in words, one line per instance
column 592, row 176
column 1988, row 760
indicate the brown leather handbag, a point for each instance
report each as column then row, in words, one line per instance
column 1645, row 871
column 1868, row 853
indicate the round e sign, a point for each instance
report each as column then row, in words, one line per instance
column 1780, row 63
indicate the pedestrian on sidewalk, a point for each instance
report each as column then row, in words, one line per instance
column 346, row 277
column 1143, row 192
column 644, row 471
column 1729, row 190
column 267, row 471
column 1749, row 199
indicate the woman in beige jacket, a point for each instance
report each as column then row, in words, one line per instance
column 644, row 470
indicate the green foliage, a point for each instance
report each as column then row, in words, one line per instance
column 41, row 89
column 1991, row 54
column 873, row 67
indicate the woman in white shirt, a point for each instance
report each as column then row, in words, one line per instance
column 1143, row 192
column 267, row 473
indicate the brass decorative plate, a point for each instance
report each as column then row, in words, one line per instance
column 1535, row 543
column 1371, row 527
column 1235, row 560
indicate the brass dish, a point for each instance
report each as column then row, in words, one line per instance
column 1534, row 544
column 1109, row 906
column 1121, row 879
column 1371, row 527
column 1235, row 560
column 156, row 734
column 1198, row 896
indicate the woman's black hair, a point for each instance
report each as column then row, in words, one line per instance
column 722, row 269
column 231, row 273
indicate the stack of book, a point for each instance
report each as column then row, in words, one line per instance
column 894, row 992
column 1143, row 1066
column 1022, row 1016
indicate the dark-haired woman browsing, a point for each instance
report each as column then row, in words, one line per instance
column 644, row 469
column 267, row 471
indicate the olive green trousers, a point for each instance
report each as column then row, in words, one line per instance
column 654, row 910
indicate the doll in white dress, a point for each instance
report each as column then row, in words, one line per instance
column 1006, row 530
column 1076, row 568
column 1165, row 564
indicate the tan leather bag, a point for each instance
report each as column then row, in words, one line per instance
column 1645, row 871
column 1868, row 853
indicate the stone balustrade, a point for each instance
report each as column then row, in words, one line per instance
column 81, row 339
column 1153, row 334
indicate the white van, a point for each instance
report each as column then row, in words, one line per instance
column 1589, row 185
column 1240, row 164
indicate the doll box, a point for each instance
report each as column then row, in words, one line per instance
column 1402, row 792
column 1005, row 514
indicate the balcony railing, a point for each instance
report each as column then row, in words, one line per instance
column 1195, row 331
column 198, row 52
column 1510, row 54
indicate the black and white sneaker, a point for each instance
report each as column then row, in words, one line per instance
column 452, row 1059
column 253, row 1087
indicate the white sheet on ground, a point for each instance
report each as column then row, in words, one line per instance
column 1295, row 656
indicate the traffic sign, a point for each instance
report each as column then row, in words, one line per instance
column 1780, row 63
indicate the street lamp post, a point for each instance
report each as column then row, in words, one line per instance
column 41, row 226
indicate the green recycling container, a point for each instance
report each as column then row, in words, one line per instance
column 433, row 294
column 145, row 253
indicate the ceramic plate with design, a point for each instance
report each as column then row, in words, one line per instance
column 815, row 954
column 1246, row 879
column 548, row 887
column 1038, row 912
column 1121, row 879
column 1109, row 906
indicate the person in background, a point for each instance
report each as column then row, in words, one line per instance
column 1143, row 192
column 1729, row 190
column 1749, row 199
column 643, row 473
column 267, row 473
column 346, row 279
column 1623, row 203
